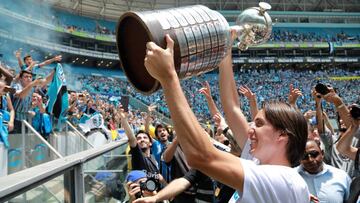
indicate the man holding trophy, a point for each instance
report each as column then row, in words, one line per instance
column 275, row 142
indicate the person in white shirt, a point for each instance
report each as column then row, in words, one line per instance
column 277, row 140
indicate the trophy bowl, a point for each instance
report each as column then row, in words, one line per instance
column 201, row 39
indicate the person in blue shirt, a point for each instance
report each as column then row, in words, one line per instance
column 22, row 98
column 326, row 183
column 158, row 148
column 7, row 115
column 40, row 119
column 6, row 106
column 29, row 64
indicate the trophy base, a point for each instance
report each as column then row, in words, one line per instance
column 132, row 52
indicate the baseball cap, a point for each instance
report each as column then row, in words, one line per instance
column 135, row 175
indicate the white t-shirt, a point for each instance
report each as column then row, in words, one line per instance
column 271, row 183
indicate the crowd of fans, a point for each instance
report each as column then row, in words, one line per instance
column 102, row 30
column 294, row 153
column 310, row 36
column 286, row 147
column 265, row 83
column 154, row 146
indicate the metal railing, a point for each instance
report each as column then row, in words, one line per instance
column 30, row 148
column 69, row 171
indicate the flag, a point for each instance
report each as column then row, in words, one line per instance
column 4, row 132
column 331, row 47
column 58, row 95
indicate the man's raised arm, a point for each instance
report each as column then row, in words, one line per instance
column 230, row 101
column 199, row 151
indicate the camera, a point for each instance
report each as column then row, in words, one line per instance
column 355, row 111
column 322, row 89
column 11, row 90
column 151, row 185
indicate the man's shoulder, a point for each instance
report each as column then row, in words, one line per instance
column 134, row 149
column 337, row 171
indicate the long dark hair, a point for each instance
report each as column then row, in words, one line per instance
column 283, row 116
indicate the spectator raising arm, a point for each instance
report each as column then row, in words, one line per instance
column 48, row 79
column 220, row 121
column 6, row 73
column 18, row 57
column 340, row 106
column 12, row 113
column 205, row 90
column 129, row 133
column 151, row 108
column 230, row 100
column 294, row 95
column 327, row 123
column 192, row 137
column 244, row 90
column 47, row 62
column 344, row 145
column 168, row 154
column 319, row 113
column 24, row 92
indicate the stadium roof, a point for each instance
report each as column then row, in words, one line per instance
column 112, row 9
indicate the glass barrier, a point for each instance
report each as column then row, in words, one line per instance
column 30, row 149
column 104, row 177
column 95, row 175
column 68, row 140
column 51, row 191
column 27, row 150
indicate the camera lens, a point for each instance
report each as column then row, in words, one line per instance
column 151, row 185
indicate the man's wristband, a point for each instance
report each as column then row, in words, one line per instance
column 225, row 130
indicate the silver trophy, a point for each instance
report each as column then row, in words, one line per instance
column 201, row 36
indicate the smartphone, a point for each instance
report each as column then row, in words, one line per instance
column 322, row 89
column 125, row 103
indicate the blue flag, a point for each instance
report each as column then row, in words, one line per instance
column 58, row 95
column 331, row 47
column 4, row 132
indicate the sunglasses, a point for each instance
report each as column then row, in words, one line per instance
column 313, row 155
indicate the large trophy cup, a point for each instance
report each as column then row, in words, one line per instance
column 201, row 36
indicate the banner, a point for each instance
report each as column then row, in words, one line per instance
column 58, row 95
column 95, row 131
column 345, row 78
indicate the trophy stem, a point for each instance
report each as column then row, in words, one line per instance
column 244, row 35
column 238, row 29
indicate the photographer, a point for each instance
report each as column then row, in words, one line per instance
column 193, row 178
column 136, row 185
column 331, row 96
